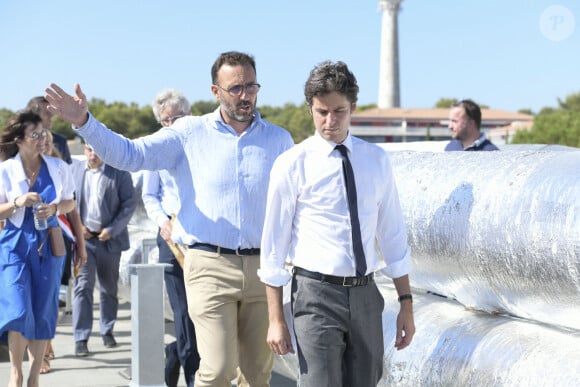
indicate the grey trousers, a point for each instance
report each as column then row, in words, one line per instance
column 338, row 332
column 105, row 266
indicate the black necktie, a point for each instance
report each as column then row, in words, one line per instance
column 359, row 254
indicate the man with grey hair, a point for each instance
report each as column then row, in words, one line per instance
column 161, row 201
column 169, row 105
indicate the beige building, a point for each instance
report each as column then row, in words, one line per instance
column 406, row 125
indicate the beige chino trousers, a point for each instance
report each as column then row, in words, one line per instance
column 227, row 304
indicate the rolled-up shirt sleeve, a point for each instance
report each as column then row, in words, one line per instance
column 391, row 229
column 277, row 234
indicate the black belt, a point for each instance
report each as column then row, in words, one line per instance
column 335, row 280
column 223, row 250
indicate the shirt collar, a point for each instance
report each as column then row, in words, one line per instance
column 478, row 142
column 328, row 146
column 100, row 169
column 218, row 120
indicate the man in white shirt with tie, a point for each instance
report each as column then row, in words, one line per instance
column 330, row 199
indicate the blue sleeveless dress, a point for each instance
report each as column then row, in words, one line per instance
column 29, row 282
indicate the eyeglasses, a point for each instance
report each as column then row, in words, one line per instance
column 38, row 135
column 171, row 120
column 237, row 90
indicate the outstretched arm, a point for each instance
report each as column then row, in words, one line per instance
column 73, row 109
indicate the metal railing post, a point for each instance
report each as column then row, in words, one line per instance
column 147, row 325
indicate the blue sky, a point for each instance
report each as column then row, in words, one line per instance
column 506, row 54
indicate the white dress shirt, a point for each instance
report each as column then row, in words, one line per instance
column 92, row 196
column 307, row 218
column 13, row 182
column 159, row 194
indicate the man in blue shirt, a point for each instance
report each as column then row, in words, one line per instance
column 221, row 162
column 464, row 123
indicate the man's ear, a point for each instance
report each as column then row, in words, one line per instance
column 215, row 92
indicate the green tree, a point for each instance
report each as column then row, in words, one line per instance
column 526, row 111
column 203, row 107
column 295, row 119
column 559, row 127
column 555, row 125
column 445, row 103
column 361, row 108
column 5, row 115
column 572, row 102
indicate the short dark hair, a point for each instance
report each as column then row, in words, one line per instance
column 14, row 130
column 472, row 110
column 327, row 77
column 231, row 58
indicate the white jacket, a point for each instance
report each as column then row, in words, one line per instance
column 13, row 182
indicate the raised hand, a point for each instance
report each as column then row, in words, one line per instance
column 73, row 109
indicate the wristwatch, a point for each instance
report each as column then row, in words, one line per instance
column 16, row 206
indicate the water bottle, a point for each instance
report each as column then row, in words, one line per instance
column 39, row 224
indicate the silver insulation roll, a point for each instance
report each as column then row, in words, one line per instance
column 499, row 234
column 455, row 346
column 498, row 231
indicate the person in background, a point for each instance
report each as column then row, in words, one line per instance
column 39, row 105
column 29, row 273
column 4, row 148
column 465, row 123
column 222, row 161
column 106, row 202
column 332, row 201
column 73, row 231
column 73, row 219
column 161, row 202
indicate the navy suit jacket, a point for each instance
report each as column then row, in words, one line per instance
column 62, row 146
column 455, row 145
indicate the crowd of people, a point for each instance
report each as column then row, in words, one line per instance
column 237, row 204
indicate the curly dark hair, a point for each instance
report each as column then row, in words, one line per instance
column 329, row 76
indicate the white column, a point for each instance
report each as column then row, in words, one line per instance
column 389, row 90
